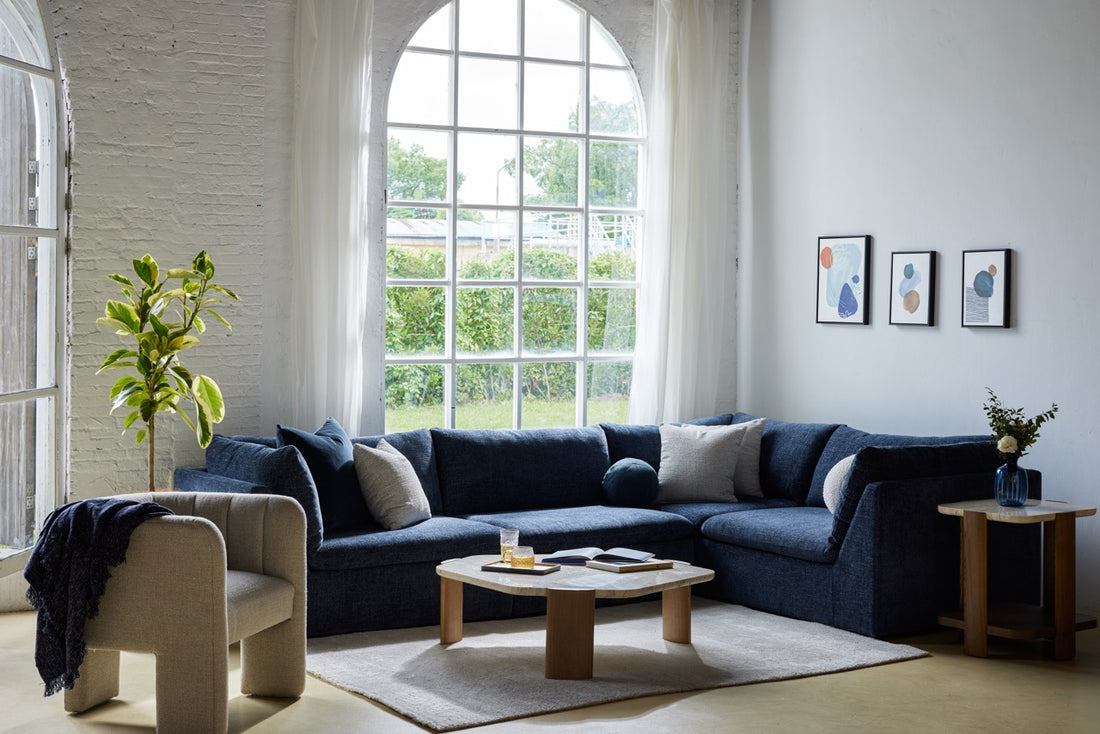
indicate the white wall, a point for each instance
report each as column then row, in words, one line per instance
column 945, row 125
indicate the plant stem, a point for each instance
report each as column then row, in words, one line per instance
column 151, row 437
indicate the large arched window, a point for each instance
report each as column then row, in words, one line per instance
column 31, row 279
column 514, row 159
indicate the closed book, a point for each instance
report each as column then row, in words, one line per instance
column 625, row 566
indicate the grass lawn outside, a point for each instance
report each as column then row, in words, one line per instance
column 536, row 414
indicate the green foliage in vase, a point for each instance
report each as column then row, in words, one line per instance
column 1013, row 432
column 160, row 316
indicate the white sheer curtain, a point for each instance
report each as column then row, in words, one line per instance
column 685, row 313
column 329, row 213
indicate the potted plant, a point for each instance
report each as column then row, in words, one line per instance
column 160, row 316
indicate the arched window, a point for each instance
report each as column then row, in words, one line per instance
column 514, row 159
column 31, row 279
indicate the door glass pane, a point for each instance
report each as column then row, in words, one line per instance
column 436, row 31
column 27, row 166
column 551, row 242
column 486, row 169
column 552, row 98
column 416, row 243
column 487, row 93
column 416, row 165
column 421, row 90
column 26, row 471
column 549, row 396
column 486, row 244
column 552, row 30
column 414, row 396
column 612, row 247
column 611, row 314
column 26, row 313
column 615, row 109
column 551, row 171
column 602, row 48
column 549, row 320
column 488, row 26
column 483, row 396
column 415, row 319
column 22, row 35
column 484, row 321
column 608, row 391
column 613, row 174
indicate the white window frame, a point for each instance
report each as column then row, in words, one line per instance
column 51, row 440
column 581, row 357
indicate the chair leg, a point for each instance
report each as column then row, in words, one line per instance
column 192, row 692
column 273, row 661
column 98, row 681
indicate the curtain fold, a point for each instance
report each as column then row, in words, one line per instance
column 329, row 210
column 685, row 311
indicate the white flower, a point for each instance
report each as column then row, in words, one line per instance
column 1007, row 445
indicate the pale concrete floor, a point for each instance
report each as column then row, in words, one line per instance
column 1015, row 690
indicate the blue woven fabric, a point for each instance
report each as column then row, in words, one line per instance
column 630, row 483
column 798, row 532
column 640, row 441
column 699, row 512
column 789, row 453
column 329, row 458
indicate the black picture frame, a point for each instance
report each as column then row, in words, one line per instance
column 987, row 288
column 844, row 280
column 913, row 288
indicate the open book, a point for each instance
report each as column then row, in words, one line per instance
column 581, row 556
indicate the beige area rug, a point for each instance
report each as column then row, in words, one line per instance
column 495, row 672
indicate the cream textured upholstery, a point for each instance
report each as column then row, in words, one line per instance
column 225, row 567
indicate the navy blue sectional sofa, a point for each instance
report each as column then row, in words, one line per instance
column 883, row 565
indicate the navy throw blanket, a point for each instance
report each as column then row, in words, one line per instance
column 67, row 572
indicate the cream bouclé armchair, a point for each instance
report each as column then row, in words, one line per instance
column 225, row 567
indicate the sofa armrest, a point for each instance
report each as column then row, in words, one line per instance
column 900, row 556
column 199, row 480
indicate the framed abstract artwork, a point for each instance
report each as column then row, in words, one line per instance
column 986, row 287
column 843, row 264
column 913, row 288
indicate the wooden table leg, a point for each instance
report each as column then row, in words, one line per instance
column 975, row 584
column 570, row 633
column 1065, row 586
column 676, row 614
column 450, row 611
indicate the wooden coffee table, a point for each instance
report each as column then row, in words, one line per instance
column 571, row 595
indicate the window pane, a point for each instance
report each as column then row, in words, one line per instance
column 487, row 93
column 612, row 247
column 27, row 119
column 483, row 396
column 484, row 321
column 549, row 397
column 608, row 392
column 613, row 174
column 486, row 244
column 551, row 241
column 549, row 320
column 614, row 103
column 551, row 171
column 486, row 169
column 602, row 48
column 26, row 313
column 416, row 166
column 488, row 26
column 26, row 470
column 414, row 396
column 611, row 316
column 415, row 319
column 421, row 90
column 553, row 30
column 436, row 31
column 25, row 40
column 416, row 243
column 552, row 98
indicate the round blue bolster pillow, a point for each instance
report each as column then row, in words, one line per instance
column 630, row 483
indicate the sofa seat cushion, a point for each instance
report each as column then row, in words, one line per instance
column 798, row 532
column 699, row 512
column 434, row 540
column 845, row 441
column 483, row 471
column 789, row 454
column 596, row 525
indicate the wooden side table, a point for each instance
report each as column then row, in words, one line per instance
column 1055, row 618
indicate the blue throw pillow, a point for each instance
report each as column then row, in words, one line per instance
column 630, row 483
column 331, row 462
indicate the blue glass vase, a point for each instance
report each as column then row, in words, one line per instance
column 1010, row 484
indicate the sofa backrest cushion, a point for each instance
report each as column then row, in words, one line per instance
column 484, row 471
column 789, row 452
column 643, row 441
column 418, row 449
column 878, row 464
column 278, row 470
column 329, row 458
column 846, row 440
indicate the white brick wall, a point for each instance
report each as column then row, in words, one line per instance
column 181, row 129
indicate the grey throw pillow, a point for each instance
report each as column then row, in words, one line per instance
column 698, row 463
column 746, row 477
column 390, row 486
column 835, row 481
